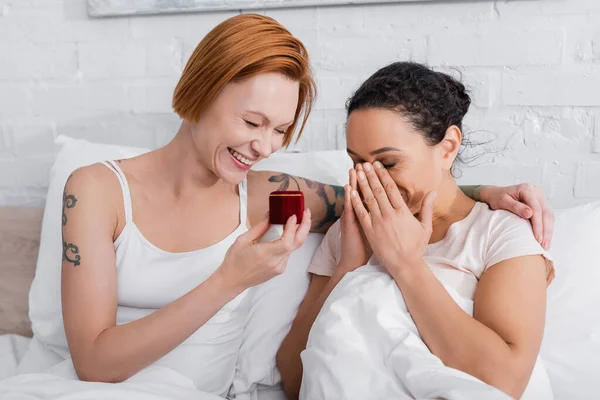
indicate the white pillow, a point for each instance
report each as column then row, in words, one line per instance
column 571, row 346
column 273, row 309
column 275, row 303
column 329, row 167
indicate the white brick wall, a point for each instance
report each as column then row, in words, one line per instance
column 533, row 67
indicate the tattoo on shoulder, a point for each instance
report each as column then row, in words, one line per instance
column 284, row 181
column 69, row 249
column 69, row 201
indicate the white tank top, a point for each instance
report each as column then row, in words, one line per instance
column 150, row 278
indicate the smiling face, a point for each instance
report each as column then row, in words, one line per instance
column 415, row 166
column 246, row 123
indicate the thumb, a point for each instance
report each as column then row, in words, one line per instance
column 257, row 231
column 426, row 213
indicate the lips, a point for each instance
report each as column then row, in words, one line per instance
column 240, row 157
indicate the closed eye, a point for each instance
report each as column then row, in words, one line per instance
column 282, row 131
column 252, row 124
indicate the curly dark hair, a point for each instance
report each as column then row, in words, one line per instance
column 432, row 101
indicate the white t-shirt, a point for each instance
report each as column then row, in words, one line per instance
column 471, row 246
column 484, row 238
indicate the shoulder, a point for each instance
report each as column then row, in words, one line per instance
column 509, row 236
column 95, row 187
column 94, row 178
column 502, row 222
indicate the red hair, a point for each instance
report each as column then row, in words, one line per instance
column 238, row 48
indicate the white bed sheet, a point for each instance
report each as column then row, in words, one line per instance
column 12, row 348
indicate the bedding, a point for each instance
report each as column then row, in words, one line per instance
column 365, row 322
column 570, row 350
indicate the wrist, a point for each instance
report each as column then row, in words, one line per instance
column 408, row 271
column 477, row 192
column 224, row 284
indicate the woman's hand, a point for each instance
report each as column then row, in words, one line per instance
column 249, row 263
column 397, row 238
column 528, row 202
column 355, row 248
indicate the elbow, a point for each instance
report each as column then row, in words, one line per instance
column 91, row 371
column 512, row 379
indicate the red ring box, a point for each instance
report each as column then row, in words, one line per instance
column 284, row 204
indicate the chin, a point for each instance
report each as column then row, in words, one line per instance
column 231, row 177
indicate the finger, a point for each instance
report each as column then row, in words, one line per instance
column 289, row 230
column 256, row 231
column 348, row 210
column 426, row 213
column 353, row 179
column 379, row 192
column 518, row 208
column 548, row 220
column 361, row 212
column 390, row 187
column 367, row 194
column 303, row 229
column 530, row 199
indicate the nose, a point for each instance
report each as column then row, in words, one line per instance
column 263, row 145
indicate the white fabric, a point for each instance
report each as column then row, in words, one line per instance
column 272, row 311
column 43, row 386
column 571, row 346
column 276, row 302
column 151, row 278
column 154, row 383
column 12, row 348
column 366, row 316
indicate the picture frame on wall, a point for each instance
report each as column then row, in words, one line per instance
column 114, row 8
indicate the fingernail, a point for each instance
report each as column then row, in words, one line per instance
column 377, row 164
column 361, row 175
column 367, row 167
column 354, row 193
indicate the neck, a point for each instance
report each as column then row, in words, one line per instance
column 180, row 164
column 451, row 205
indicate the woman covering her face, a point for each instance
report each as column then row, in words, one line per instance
column 405, row 213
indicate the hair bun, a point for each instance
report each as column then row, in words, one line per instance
column 459, row 92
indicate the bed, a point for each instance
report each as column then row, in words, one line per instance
column 571, row 347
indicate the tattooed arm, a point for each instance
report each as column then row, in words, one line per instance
column 103, row 351
column 326, row 202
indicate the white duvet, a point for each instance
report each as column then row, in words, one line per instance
column 365, row 345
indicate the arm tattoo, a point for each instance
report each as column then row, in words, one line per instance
column 320, row 188
column 69, row 201
column 69, row 249
column 73, row 250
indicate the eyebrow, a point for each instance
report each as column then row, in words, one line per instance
column 375, row 152
column 267, row 118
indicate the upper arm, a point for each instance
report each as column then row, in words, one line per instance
column 89, row 281
column 511, row 300
column 325, row 202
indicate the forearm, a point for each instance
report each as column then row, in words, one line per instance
column 459, row 340
column 121, row 351
column 288, row 359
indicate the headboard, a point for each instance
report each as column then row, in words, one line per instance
column 20, row 229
